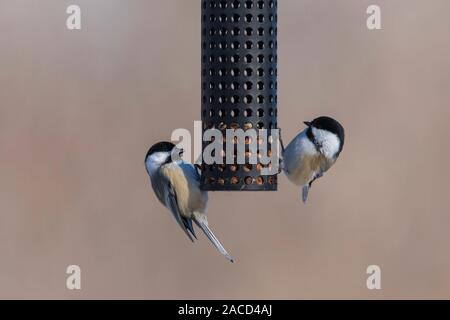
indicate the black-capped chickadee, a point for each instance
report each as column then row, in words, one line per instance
column 313, row 152
column 177, row 186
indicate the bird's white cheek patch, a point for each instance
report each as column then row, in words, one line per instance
column 329, row 142
column 155, row 161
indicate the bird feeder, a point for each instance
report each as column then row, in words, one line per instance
column 239, row 83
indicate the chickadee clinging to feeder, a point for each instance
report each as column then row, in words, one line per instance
column 313, row 152
column 177, row 186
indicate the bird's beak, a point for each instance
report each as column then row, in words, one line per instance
column 308, row 124
column 177, row 154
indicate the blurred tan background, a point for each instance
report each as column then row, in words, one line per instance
column 79, row 109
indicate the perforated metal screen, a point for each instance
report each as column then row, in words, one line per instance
column 239, row 81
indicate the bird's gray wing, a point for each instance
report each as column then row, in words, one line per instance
column 172, row 204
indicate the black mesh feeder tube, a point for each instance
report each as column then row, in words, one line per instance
column 239, row 83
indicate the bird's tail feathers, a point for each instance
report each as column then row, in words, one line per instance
column 305, row 192
column 202, row 223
